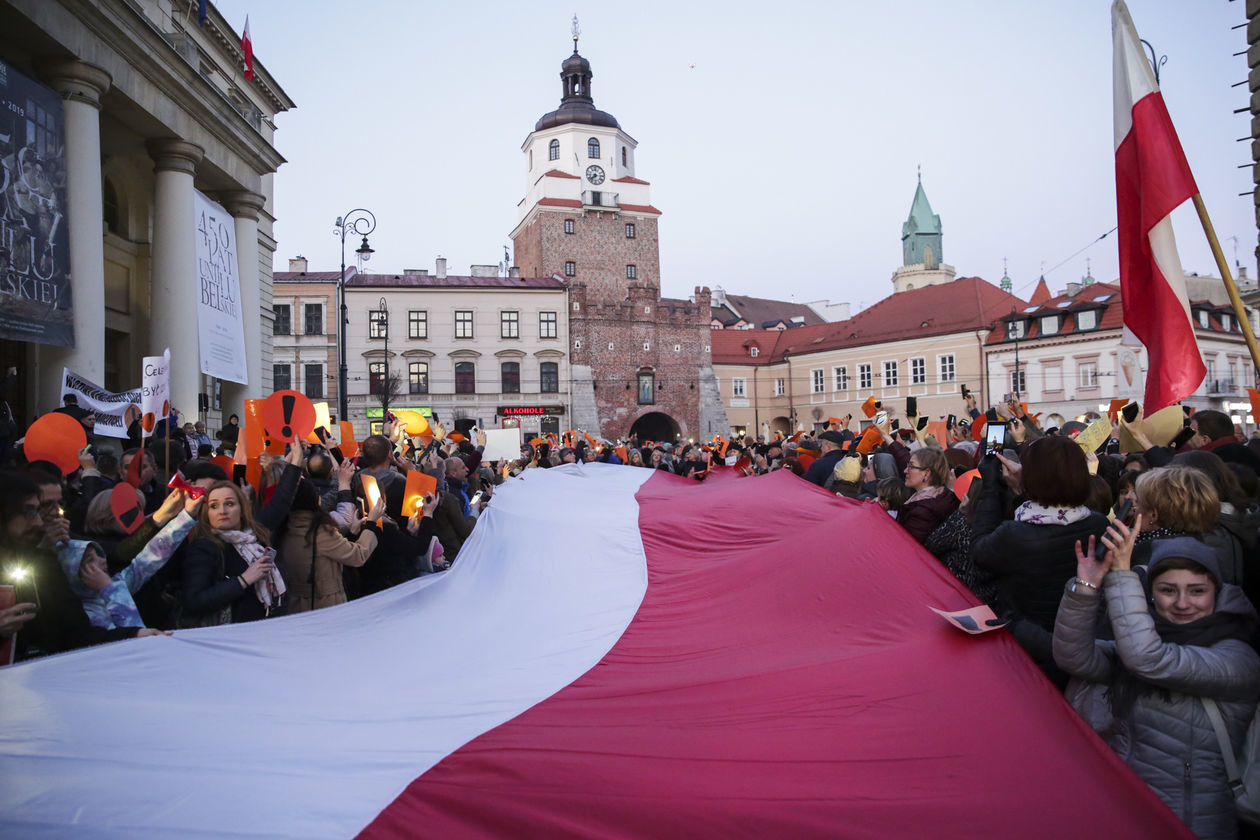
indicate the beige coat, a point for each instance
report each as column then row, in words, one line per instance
column 331, row 552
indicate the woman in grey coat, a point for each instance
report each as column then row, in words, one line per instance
column 1178, row 639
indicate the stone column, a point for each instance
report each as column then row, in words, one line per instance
column 244, row 207
column 81, row 87
column 174, row 287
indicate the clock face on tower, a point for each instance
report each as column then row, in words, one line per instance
column 595, row 174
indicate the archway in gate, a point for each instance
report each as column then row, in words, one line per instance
column 782, row 425
column 655, row 426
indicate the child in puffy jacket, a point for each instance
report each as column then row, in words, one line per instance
column 108, row 600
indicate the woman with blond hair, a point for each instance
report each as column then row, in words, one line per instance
column 931, row 501
column 1176, row 501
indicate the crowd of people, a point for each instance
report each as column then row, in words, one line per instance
column 1128, row 577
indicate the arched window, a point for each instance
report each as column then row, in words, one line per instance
column 465, row 378
column 623, row 156
column 511, row 376
column 553, row 150
column 592, row 148
column 109, row 196
column 549, row 377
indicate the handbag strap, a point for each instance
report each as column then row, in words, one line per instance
column 1222, row 740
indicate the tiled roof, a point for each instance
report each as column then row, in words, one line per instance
column 1104, row 298
column 450, row 281
column 966, row 304
column 308, row 276
column 556, row 173
column 639, row 208
column 630, row 180
column 559, row 202
column 762, row 310
column 1041, row 294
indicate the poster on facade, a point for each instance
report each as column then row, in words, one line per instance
column 114, row 412
column 220, row 316
column 1130, row 382
column 35, row 299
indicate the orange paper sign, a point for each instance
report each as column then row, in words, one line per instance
column 419, row 485
column 349, row 445
column 56, row 438
column 288, row 416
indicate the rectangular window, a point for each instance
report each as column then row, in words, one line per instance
column 1087, row 320
column 1050, row 325
column 463, row 323
column 281, row 377
column 1210, row 364
column 568, row 226
column 1054, row 378
column 570, row 268
column 647, row 388
column 841, row 376
column 890, row 374
column 779, row 387
column 510, row 374
column 418, row 323
column 864, row 377
column 1018, row 382
column 378, row 323
column 283, row 324
column 631, row 272
column 546, row 325
column 1015, row 329
column 313, row 316
column 918, row 371
column 510, row 324
column 549, row 377
column 418, row 378
column 313, row 376
column 945, row 367
column 739, row 387
column 1089, row 374
column 465, row 378
column 817, row 383
column 629, row 230
column 376, row 377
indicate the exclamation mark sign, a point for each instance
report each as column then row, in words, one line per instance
column 287, row 402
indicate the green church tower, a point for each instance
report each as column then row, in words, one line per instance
column 921, row 234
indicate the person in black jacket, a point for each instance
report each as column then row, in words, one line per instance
column 825, row 464
column 227, row 570
column 1034, row 555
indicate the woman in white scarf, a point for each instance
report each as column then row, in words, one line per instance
column 229, row 574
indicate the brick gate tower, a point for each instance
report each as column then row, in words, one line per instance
column 640, row 362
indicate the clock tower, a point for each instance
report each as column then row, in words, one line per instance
column 641, row 364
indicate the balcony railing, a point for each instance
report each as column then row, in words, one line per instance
column 598, row 198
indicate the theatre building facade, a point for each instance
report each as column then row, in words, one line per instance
column 136, row 166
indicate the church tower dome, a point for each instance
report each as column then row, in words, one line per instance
column 576, row 104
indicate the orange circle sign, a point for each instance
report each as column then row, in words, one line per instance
column 56, row 438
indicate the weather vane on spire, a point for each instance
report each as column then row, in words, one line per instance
column 576, row 32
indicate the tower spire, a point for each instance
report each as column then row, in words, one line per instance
column 576, row 32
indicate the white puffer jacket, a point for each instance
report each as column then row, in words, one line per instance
column 1167, row 738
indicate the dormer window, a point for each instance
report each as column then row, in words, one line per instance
column 592, row 148
column 1203, row 318
column 754, row 351
column 1087, row 319
column 1049, row 324
column 1227, row 323
column 1015, row 329
column 553, row 150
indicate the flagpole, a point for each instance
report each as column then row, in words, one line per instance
column 1240, row 312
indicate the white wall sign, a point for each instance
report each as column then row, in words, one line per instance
column 114, row 412
column 220, row 321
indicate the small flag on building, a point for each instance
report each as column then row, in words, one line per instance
column 247, row 47
column 202, row 12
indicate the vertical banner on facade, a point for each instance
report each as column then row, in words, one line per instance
column 155, row 391
column 1129, row 379
column 115, row 412
column 220, row 319
column 35, row 300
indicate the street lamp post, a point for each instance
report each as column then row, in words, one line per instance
column 383, row 307
column 361, row 223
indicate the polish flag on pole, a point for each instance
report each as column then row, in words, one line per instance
column 1152, row 179
column 247, row 47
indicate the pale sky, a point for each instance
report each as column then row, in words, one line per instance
column 781, row 140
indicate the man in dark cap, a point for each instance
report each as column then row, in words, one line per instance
column 831, row 442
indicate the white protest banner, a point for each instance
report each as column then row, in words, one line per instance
column 114, row 412
column 502, row 444
column 220, row 318
column 155, row 391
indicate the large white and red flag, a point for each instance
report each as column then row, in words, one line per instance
column 1152, row 179
column 618, row 652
